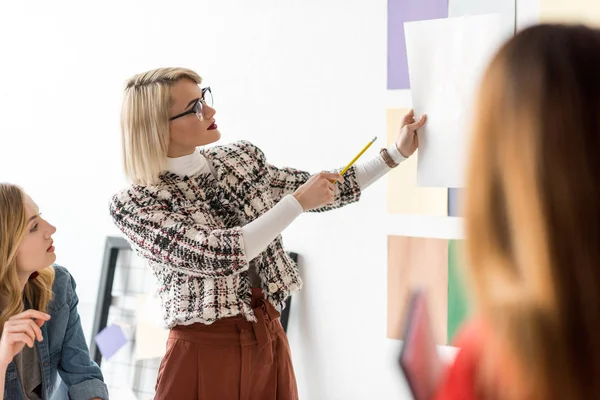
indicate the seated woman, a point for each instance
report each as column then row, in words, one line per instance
column 533, row 223
column 40, row 328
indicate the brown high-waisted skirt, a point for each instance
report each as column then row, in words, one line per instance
column 229, row 359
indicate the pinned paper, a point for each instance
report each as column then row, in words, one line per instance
column 403, row 194
column 455, row 201
column 417, row 262
column 150, row 335
column 505, row 8
column 572, row 11
column 459, row 306
column 400, row 11
column 110, row 340
column 446, row 60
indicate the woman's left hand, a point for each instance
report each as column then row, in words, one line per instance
column 408, row 141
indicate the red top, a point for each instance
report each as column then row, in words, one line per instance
column 459, row 380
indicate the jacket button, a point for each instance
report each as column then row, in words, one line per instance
column 46, row 364
column 273, row 288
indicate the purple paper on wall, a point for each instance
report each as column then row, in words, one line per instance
column 455, row 196
column 110, row 340
column 399, row 12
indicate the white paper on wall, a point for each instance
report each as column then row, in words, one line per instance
column 505, row 8
column 446, row 58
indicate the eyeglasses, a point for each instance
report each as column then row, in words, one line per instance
column 197, row 107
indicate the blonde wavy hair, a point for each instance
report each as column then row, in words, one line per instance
column 145, row 122
column 532, row 209
column 13, row 224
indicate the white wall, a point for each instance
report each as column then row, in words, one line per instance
column 306, row 81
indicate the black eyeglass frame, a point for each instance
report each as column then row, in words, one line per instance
column 197, row 107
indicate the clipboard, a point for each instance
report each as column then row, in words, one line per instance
column 419, row 358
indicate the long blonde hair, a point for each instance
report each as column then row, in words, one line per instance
column 532, row 207
column 145, row 122
column 13, row 224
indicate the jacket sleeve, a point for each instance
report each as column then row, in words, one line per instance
column 284, row 181
column 78, row 371
column 175, row 240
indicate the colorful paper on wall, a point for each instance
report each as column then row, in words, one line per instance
column 417, row 262
column 446, row 58
column 455, row 202
column 150, row 336
column 110, row 340
column 571, row 11
column 403, row 194
column 458, row 302
column 400, row 11
column 505, row 8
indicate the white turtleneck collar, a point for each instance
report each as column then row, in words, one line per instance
column 192, row 164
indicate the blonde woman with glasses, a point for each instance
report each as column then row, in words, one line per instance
column 209, row 222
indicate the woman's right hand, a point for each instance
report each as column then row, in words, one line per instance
column 20, row 330
column 318, row 191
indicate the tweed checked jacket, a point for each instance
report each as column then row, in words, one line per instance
column 188, row 228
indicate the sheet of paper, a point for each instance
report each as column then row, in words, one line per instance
column 571, row 11
column 417, row 262
column 110, row 340
column 400, row 11
column 446, row 59
column 403, row 194
column 150, row 336
column 455, row 202
column 506, row 9
column 459, row 306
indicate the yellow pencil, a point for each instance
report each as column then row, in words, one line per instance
column 357, row 157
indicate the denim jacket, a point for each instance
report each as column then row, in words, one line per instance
column 63, row 351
